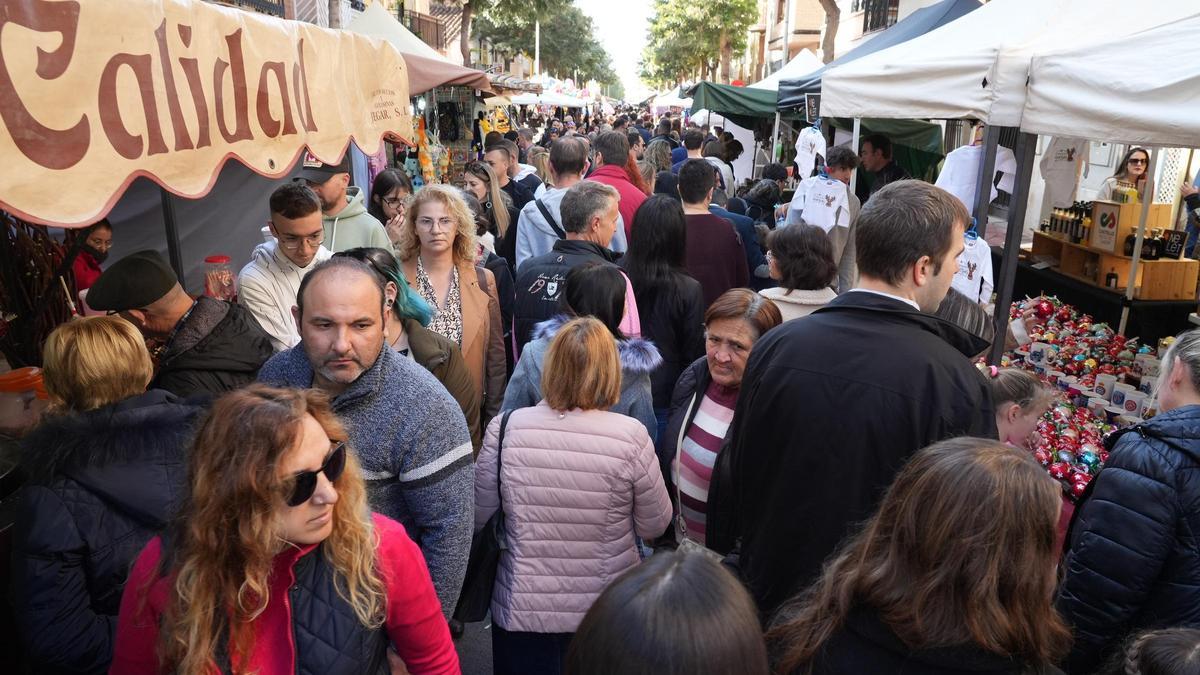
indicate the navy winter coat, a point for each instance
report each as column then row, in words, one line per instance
column 1134, row 557
column 102, row 483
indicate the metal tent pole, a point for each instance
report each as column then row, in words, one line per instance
column 1137, row 244
column 854, row 147
column 987, row 173
column 775, row 140
column 172, row 230
column 1026, row 147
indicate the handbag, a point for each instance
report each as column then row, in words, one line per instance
column 476, row 597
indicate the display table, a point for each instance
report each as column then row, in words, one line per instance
column 1150, row 320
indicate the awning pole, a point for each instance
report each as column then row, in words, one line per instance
column 987, row 173
column 854, row 148
column 1147, row 197
column 775, row 140
column 172, row 232
column 1026, row 148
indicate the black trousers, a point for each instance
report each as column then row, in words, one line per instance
column 518, row 653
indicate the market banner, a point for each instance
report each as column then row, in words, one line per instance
column 94, row 93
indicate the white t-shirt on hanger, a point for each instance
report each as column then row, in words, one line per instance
column 974, row 276
column 1060, row 169
column 809, row 143
column 820, row 201
column 960, row 173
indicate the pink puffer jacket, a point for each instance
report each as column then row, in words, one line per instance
column 577, row 487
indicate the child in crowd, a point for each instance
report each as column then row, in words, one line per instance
column 1172, row 651
column 1020, row 400
column 634, row 627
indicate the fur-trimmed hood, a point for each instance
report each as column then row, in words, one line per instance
column 638, row 355
column 118, row 452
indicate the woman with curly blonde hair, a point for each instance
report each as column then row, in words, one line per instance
column 274, row 564
column 437, row 247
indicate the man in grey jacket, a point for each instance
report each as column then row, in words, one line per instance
column 535, row 233
column 407, row 431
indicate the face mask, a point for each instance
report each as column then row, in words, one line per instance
column 96, row 253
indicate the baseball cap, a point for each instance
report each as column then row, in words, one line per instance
column 316, row 171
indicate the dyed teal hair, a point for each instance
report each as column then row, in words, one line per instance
column 409, row 304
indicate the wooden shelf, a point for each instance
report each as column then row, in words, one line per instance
column 1162, row 279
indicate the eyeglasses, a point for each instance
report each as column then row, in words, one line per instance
column 305, row 482
column 290, row 242
column 1137, row 161
column 426, row 223
column 394, row 202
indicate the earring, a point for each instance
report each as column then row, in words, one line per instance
column 487, row 205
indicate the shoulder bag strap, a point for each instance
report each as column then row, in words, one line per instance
column 499, row 454
column 550, row 219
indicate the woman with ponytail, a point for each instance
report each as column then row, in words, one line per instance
column 274, row 564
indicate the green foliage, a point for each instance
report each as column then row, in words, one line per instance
column 569, row 45
column 688, row 38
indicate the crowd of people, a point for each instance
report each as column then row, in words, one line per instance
column 722, row 434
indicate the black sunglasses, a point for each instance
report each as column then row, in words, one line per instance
column 305, row 482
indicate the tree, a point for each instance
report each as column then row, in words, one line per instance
column 504, row 8
column 833, row 16
column 569, row 48
column 689, row 39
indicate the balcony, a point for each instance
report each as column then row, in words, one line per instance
column 879, row 14
column 431, row 31
column 268, row 7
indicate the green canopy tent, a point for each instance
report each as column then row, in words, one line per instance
column 744, row 105
column 916, row 145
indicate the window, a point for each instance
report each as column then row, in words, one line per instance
column 879, row 14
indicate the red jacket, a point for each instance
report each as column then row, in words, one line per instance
column 414, row 621
column 631, row 196
column 87, row 271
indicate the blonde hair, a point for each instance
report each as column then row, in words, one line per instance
column 456, row 208
column 1011, row 385
column 95, row 361
column 539, row 157
column 227, row 534
column 581, row 369
column 497, row 198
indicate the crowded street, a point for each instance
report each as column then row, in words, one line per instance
column 567, row 337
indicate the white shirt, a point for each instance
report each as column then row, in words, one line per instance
column 1060, row 169
column 960, row 173
column 820, row 201
column 910, row 303
column 974, row 276
column 809, row 144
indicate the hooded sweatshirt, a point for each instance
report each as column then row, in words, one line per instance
column 639, row 358
column 267, row 287
column 353, row 227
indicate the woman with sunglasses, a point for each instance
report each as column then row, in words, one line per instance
column 274, row 565
column 1130, row 175
column 480, row 180
column 389, row 195
column 437, row 251
column 404, row 328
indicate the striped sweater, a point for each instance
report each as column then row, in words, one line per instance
column 411, row 439
column 698, row 453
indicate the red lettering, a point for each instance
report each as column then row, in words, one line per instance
column 191, row 70
column 178, row 126
column 240, row 107
column 269, row 124
column 300, row 87
column 51, row 148
column 126, row 144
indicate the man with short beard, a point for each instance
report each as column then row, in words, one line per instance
column 408, row 433
column 343, row 207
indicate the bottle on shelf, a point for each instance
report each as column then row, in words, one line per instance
column 1129, row 243
column 1110, row 279
column 1152, row 246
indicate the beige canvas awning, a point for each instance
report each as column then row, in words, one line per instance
column 94, row 94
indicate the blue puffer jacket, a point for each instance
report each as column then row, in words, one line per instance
column 1134, row 556
column 102, row 483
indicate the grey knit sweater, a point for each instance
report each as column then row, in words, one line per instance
column 412, row 441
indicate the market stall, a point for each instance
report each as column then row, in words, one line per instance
column 977, row 67
column 283, row 88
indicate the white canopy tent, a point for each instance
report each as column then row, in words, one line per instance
column 1139, row 89
column 670, row 99
column 801, row 64
column 549, row 98
column 976, row 67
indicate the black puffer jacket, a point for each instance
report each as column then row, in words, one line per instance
column 1134, row 557
column 541, row 280
column 102, row 483
column 219, row 347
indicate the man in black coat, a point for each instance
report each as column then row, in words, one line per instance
column 832, row 405
column 207, row 347
column 589, row 218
